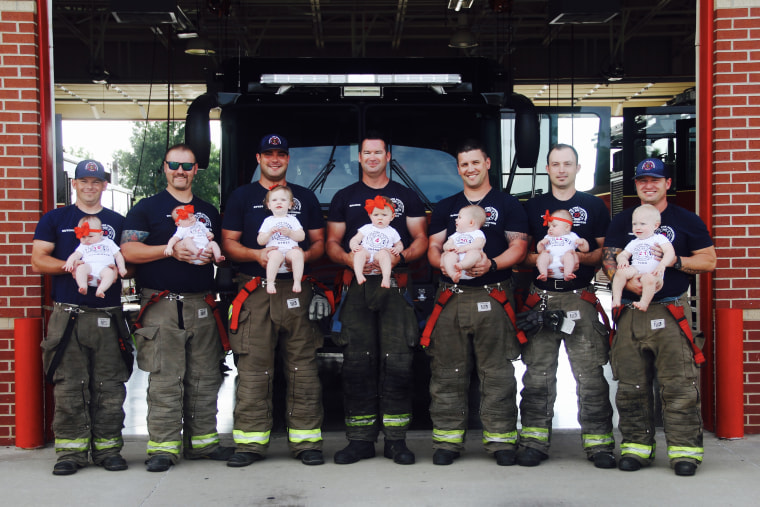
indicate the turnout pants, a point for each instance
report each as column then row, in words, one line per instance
column 473, row 331
column 647, row 344
column 379, row 331
column 179, row 346
column 587, row 349
column 89, row 382
column 270, row 321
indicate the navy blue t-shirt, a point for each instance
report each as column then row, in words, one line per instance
column 504, row 213
column 57, row 226
column 154, row 216
column 245, row 213
column 591, row 218
column 347, row 206
column 685, row 230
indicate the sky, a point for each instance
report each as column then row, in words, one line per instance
column 103, row 138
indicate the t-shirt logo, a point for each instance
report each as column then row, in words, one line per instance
column 399, row 205
column 666, row 231
column 580, row 215
column 110, row 232
column 379, row 240
column 296, row 206
column 203, row 219
column 492, row 215
column 641, row 254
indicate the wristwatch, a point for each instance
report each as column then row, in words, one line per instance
column 494, row 267
column 402, row 262
column 677, row 264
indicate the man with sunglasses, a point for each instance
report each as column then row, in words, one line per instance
column 263, row 322
column 177, row 336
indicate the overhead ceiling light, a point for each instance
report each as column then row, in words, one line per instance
column 361, row 79
column 199, row 46
column 190, row 34
column 463, row 39
column 457, row 5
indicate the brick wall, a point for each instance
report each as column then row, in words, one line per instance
column 736, row 128
column 20, row 191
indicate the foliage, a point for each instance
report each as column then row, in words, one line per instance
column 141, row 168
column 78, row 151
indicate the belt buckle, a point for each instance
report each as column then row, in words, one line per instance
column 556, row 281
column 174, row 297
column 455, row 289
column 72, row 309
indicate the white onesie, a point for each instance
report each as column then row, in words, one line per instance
column 98, row 256
column 283, row 243
column 557, row 247
column 463, row 239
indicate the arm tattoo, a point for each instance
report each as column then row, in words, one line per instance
column 609, row 260
column 512, row 236
column 128, row 236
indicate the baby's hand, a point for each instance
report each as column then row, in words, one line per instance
column 167, row 251
column 122, row 272
column 582, row 245
column 69, row 266
column 623, row 265
column 394, row 250
column 209, row 235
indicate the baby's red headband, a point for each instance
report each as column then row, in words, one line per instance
column 548, row 218
column 378, row 202
column 85, row 230
column 185, row 211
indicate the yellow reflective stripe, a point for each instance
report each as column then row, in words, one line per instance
column 643, row 451
column 540, row 434
column 201, row 441
column 314, row 435
column 452, row 436
column 76, row 444
column 251, row 437
column 170, row 447
column 509, row 438
column 396, row 419
column 686, row 452
column 596, row 440
column 107, row 443
column 361, row 420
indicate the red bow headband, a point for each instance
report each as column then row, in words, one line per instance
column 378, row 202
column 275, row 186
column 85, row 230
column 185, row 211
column 549, row 218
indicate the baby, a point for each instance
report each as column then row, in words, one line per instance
column 463, row 248
column 376, row 241
column 646, row 219
column 555, row 251
column 284, row 232
column 194, row 235
column 100, row 257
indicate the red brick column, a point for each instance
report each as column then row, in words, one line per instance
column 20, row 187
column 736, row 189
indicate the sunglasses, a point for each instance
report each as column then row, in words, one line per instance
column 186, row 166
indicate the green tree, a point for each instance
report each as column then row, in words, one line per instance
column 141, row 168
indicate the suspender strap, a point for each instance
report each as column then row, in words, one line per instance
column 591, row 298
column 153, row 300
column 616, row 312
column 501, row 297
column 443, row 298
column 61, row 347
column 237, row 303
column 530, row 302
column 678, row 314
column 122, row 335
column 211, row 301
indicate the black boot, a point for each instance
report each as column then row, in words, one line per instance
column 356, row 450
column 398, row 452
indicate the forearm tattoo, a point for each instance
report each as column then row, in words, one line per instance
column 512, row 236
column 609, row 260
column 129, row 236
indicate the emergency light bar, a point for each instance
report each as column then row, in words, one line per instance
column 362, row 79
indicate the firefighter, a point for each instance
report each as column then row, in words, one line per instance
column 475, row 328
column 379, row 328
column 659, row 341
column 81, row 351
column 268, row 321
column 178, row 340
column 584, row 335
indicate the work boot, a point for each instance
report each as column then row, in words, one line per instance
column 158, row 463
column 530, row 457
column 311, row 457
column 243, row 459
column 685, row 468
column 354, row 451
column 221, row 453
column 398, row 452
column 65, row 467
column 629, row 464
column 114, row 463
column 603, row 459
column 505, row 457
column 444, row 457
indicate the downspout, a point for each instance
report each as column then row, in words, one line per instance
column 705, row 85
